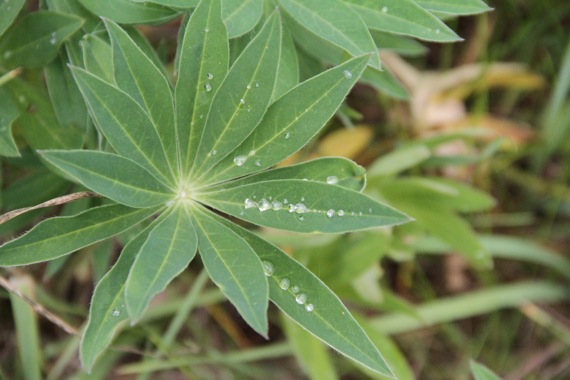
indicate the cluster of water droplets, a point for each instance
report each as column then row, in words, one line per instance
column 285, row 285
column 242, row 159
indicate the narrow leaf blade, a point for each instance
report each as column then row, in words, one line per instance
column 8, row 13
column 336, row 22
column 235, row 268
column 303, row 206
column 455, row 7
column 10, row 112
column 129, row 12
column 124, row 123
column 240, row 16
column 137, row 75
column 56, row 237
column 199, row 79
column 243, row 97
column 170, row 247
column 112, row 176
column 291, row 121
column 320, row 311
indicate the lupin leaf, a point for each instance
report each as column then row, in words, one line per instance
column 129, row 12
column 112, row 176
column 8, row 13
column 136, row 74
column 309, row 302
column 303, row 206
column 455, row 7
column 234, row 267
column 240, row 16
column 286, row 126
column 170, row 247
column 60, row 236
column 242, row 98
column 202, row 66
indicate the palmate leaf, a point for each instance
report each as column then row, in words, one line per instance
column 170, row 247
column 242, row 99
column 60, row 236
column 302, row 206
column 234, row 267
column 287, row 127
column 309, row 302
column 115, row 177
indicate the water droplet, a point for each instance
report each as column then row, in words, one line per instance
column 264, row 205
column 52, row 39
column 115, row 313
column 340, row 212
column 437, row 31
column 214, row 152
column 210, row 76
column 384, row 9
column 257, row 163
column 22, row 99
column 347, row 74
column 248, row 86
column 303, row 198
column 301, row 218
column 370, row 210
column 285, row 201
column 309, row 307
column 251, row 153
column 268, row 268
column 301, row 298
column 332, row 180
column 284, row 283
column 248, row 203
column 206, row 30
column 287, row 136
column 240, row 160
column 277, row 205
column 242, row 101
column 300, row 208
column 208, row 87
column 295, row 289
column 360, row 213
column 201, row 116
column 256, row 84
column 330, row 213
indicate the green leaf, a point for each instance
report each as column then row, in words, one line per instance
column 9, row 112
column 66, row 99
column 385, row 82
column 183, row 4
column 303, row 206
column 35, row 40
column 347, row 173
column 288, row 71
column 240, row 16
column 455, row 7
column 112, row 176
column 137, row 75
column 480, row 372
column 291, row 121
column 403, row 17
column 60, row 236
column 336, row 22
column 98, row 57
column 108, row 309
column 38, row 123
column 399, row 44
column 319, row 311
column 234, row 268
column 242, row 98
column 8, row 12
column 399, row 160
column 124, row 123
column 202, row 66
column 170, row 247
column 129, row 12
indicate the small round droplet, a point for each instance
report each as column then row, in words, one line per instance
column 52, row 39
column 347, row 74
column 242, row 101
column 115, row 313
column 210, row 76
column 256, row 84
column 437, row 31
column 284, row 283
column 301, row 298
column 240, row 160
column 251, row 153
column 206, row 30
column 277, row 205
column 340, row 212
column 248, row 86
column 264, row 205
column 208, row 87
column 287, row 136
column 268, row 268
column 300, row 208
column 332, row 180
column 330, row 213
column 214, row 152
column 248, row 203
column 295, row 289
column 285, row 201
column 309, row 307
column 257, row 163
column 384, row 9
column 301, row 218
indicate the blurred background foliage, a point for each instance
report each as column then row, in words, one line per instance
column 476, row 149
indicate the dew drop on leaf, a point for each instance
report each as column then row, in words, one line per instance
column 301, row 298
column 52, row 38
column 277, row 205
column 340, row 212
column 240, row 160
column 437, row 31
column 284, row 283
column 115, row 313
column 295, row 289
column 384, row 9
column 248, row 203
column 287, row 136
column 330, row 213
column 208, row 87
column 256, row 84
column 309, row 307
column 257, row 163
column 268, row 268
column 332, row 180
column 242, row 101
column 210, row 76
column 301, row 218
column 264, row 205
column 347, row 74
